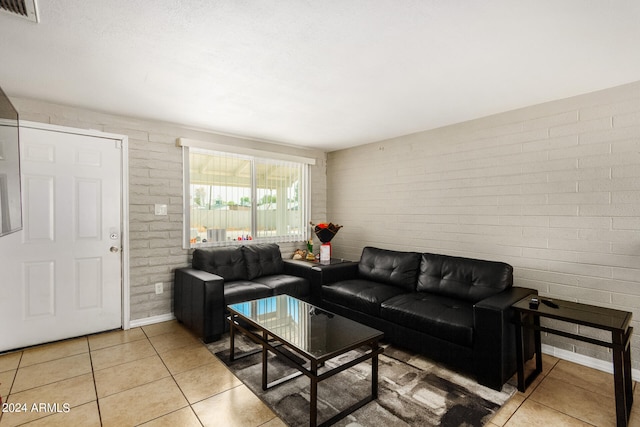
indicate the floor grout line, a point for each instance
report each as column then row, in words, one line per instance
column 553, row 366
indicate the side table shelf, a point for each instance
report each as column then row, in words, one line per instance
column 617, row 322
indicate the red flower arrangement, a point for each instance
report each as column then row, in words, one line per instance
column 324, row 231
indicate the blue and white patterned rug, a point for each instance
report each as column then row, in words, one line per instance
column 413, row 391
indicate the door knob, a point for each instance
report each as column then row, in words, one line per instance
column 114, row 249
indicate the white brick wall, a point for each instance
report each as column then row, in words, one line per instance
column 553, row 189
column 155, row 176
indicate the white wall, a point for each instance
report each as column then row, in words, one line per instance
column 552, row 189
column 155, row 176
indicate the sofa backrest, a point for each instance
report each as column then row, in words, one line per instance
column 263, row 259
column 464, row 278
column 240, row 262
column 226, row 262
column 390, row 267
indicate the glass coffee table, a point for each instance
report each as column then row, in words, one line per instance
column 306, row 336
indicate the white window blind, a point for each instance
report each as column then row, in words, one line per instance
column 236, row 197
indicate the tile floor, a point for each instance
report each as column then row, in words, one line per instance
column 565, row 394
column 161, row 375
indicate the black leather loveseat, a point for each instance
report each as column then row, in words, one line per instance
column 229, row 275
column 454, row 310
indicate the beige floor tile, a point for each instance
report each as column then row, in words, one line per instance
column 129, row 375
column 205, row 381
column 123, row 353
column 51, row 372
column 577, row 402
column 186, row 358
column 237, row 407
column 53, row 351
column 164, row 328
column 173, row 340
column 109, row 339
column 74, row 391
column 183, row 418
column 86, row 415
column 584, row 377
column 532, row 387
column 6, row 381
column 277, row 422
column 532, row 414
column 548, row 363
column 141, row 404
column 10, row 361
column 507, row 410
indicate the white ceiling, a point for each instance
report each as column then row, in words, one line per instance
column 325, row 74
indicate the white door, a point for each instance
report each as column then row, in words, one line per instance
column 61, row 276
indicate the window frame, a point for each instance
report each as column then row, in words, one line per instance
column 253, row 156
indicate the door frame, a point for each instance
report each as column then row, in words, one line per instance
column 124, row 200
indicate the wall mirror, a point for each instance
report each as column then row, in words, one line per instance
column 10, row 199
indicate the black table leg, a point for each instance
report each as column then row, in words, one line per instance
column 520, row 352
column 264, row 362
column 313, row 398
column 524, row 382
column 374, row 371
column 232, row 338
column 622, row 415
column 627, row 376
column 537, row 339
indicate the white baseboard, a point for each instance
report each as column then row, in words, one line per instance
column 580, row 359
column 151, row 320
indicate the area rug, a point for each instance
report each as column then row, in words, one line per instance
column 413, row 391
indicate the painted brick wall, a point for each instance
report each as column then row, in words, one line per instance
column 553, row 189
column 155, row 176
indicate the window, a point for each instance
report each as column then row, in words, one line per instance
column 234, row 197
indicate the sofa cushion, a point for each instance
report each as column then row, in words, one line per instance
column 263, row 260
column 390, row 267
column 227, row 262
column 359, row 295
column 469, row 279
column 442, row 317
column 244, row 290
column 286, row 284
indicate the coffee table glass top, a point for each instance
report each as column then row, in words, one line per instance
column 309, row 329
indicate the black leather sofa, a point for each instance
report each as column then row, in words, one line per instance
column 228, row 275
column 454, row 310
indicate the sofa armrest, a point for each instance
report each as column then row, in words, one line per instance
column 297, row 268
column 331, row 273
column 494, row 337
column 199, row 302
column 504, row 300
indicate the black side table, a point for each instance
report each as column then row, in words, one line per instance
column 313, row 272
column 614, row 321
